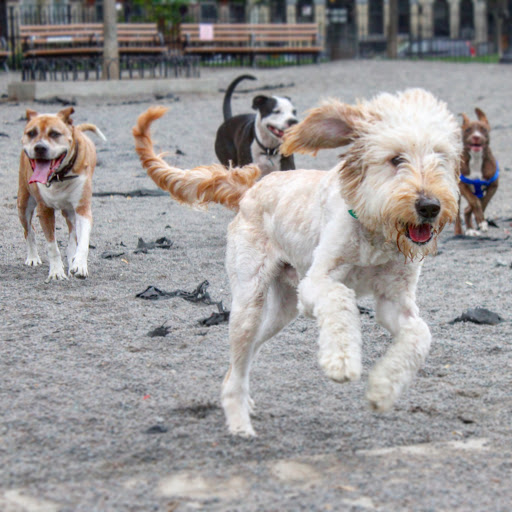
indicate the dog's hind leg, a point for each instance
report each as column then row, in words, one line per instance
column 397, row 312
column 251, row 324
column 264, row 301
column 26, row 207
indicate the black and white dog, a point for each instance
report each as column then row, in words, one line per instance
column 255, row 138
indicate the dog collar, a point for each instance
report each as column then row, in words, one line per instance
column 352, row 213
column 60, row 175
column 267, row 151
column 478, row 184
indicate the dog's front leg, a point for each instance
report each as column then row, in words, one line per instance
column 83, row 224
column 493, row 187
column 335, row 309
column 474, row 207
column 392, row 374
column 47, row 220
column 26, row 207
column 69, row 215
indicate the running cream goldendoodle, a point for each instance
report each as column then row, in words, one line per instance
column 313, row 241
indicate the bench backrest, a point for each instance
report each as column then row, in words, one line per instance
column 196, row 33
column 88, row 33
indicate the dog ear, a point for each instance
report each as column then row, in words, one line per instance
column 331, row 125
column 259, row 101
column 30, row 114
column 481, row 116
column 465, row 119
column 65, row 113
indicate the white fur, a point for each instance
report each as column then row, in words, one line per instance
column 78, row 265
column 66, row 196
column 476, row 159
column 301, row 219
column 327, row 292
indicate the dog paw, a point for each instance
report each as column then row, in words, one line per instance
column 33, row 261
column 79, row 270
column 340, row 368
column 56, row 275
column 237, row 410
column 472, row 232
column 239, row 423
column 242, row 431
column 483, row 226
column 381, row 394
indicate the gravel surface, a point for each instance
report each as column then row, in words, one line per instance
column 99, row 416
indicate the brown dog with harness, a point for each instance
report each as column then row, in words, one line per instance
column 56, row 168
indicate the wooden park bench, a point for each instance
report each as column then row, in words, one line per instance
column 249, row 40
column 79, row 46
column 86, row 39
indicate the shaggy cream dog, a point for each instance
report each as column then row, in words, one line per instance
column 312, row 242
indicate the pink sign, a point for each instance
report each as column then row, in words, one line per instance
column 205, row 31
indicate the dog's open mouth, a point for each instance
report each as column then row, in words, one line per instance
column 43, row 169
column 476, row 147
column 276, row 131
column 421, row 234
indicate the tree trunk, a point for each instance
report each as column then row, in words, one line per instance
column 392, row 32
column 110, row 47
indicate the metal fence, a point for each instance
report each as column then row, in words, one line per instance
column 459, row 50
column 91, row 68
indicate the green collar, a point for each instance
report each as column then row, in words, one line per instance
column 353, row 214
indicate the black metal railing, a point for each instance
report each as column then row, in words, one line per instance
column 91, row 68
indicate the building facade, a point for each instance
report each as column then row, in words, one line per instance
column 349, row 20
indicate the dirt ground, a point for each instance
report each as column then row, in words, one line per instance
column 99, row 416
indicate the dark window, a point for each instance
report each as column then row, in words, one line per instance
column 278, row 11
column 467, row 20
column 441, row 18
column 404, row 17
column 208, row 12
column 376, row 17
column 236, row 13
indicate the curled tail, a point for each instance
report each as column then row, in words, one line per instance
column 226, row 106
column 88, row 127
column 198, row 186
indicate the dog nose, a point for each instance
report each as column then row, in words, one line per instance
column 40, row 149
column 291, row 122
column 428, row 208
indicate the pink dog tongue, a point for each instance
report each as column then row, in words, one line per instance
column 42, row 171
column 420, row 233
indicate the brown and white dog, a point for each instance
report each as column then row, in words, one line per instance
column 313, row 241
column 479, row 173
column 56, row 168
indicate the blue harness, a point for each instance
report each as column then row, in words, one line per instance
column 478, row 184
